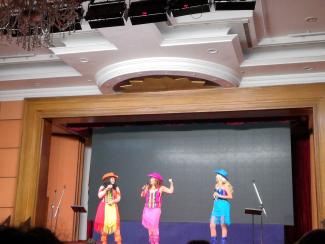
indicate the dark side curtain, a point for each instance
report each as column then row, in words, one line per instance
column 301, row 187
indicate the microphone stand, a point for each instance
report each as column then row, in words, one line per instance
column 261, row 207
column 52, row 210
column 58, row 208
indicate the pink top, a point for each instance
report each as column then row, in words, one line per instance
column 153, row 199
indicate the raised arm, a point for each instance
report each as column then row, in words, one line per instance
column 169, row 190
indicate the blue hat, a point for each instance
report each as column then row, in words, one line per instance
column 222, row 172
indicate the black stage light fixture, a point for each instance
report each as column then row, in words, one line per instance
column 188, row 7
column 106, row 14
column 150, row 11
column 234, row 4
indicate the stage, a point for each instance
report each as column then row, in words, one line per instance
column 181, row 233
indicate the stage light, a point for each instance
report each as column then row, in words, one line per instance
column 143, row 12
column 234, row 4
column 106, row 14
column 188, row 7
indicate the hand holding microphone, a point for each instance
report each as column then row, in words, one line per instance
column 145, row 187
column 109, row 187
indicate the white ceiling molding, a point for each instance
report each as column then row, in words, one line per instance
column 215, row 24
column 82, row 42
column 197, row 34
column 238, row 50
column 12, row 95
column 27, row 58
column 36, row 70
column 109, row 76
column 288, row 79
column 215, row 16
column 193, row 41
column 94, row 47
column 263, row 46
column 303, row 38
column 281, row 60
column 285, row 55
column 192, row 31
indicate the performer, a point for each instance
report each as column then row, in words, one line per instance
column 221, row 207
column 152, row 209
column 107, row 219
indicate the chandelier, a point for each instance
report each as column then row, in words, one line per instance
column 31, row 23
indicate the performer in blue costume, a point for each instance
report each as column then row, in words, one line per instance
column 221, row 206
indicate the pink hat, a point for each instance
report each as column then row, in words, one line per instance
column 156, row 176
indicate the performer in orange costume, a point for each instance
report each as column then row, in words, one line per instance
column 107, row 219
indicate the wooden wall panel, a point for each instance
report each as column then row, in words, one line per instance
column 11, row 110
column 42, row 201
column 320, row 158
column 10, row 131
column 29, row 168
column 163, row 103
column 5, row 213
column 313, row 184
column 8, row 192
column 10, row 139
column 63, row 172
column 9, row 162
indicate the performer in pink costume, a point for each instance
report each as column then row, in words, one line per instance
column 152, row 209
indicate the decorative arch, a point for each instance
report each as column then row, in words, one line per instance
column 113, row 74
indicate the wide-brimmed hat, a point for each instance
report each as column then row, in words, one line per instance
column 109, row 174
column 221, row 172
column 156, row 175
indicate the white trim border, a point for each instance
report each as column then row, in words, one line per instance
column 12, row 95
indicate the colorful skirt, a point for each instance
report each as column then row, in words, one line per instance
column 107, row 219
column 151, row 217
column 220, row 212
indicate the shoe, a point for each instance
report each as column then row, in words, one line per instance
column 213, row 240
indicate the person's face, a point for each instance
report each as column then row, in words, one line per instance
column 218, row 179
column 153, row 181
column 112, row 180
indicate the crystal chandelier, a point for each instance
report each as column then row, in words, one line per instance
column 31, row 23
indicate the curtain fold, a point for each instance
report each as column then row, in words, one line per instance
column 301, row 186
